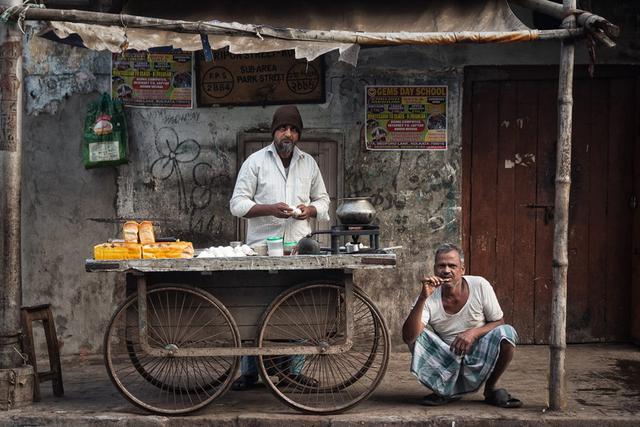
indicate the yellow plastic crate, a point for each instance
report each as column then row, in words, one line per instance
column 114, row 251
column 167, row 250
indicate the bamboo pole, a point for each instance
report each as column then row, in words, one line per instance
column 603, row 30
column 547, row 7
column 558, row 341
column 235, row 29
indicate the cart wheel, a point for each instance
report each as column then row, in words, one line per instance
column 313, row 314
column 178, row 316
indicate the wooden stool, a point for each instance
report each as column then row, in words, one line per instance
column 32, row 314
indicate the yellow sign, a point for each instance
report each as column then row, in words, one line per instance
column 406, row 117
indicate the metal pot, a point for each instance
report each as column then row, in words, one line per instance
column 356, row 210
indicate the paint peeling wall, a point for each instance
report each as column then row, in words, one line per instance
column 182, row 169
column 59, row 195
column 54, row 71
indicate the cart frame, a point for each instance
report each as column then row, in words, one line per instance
column 342, row 342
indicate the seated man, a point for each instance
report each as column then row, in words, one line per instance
column 467, row 343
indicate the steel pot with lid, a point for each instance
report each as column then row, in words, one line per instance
column 356, row 210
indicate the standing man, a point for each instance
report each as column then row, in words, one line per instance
column 274, row 180
column 271, row 182
column 470, row 343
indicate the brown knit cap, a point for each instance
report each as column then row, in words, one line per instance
column 286, row 115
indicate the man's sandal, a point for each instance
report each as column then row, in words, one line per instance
column 501, row 398
column 436, row 400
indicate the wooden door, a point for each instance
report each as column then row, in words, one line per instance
column 509, row 144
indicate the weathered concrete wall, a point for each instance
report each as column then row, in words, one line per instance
column 59, row 195
column 67, row 208
column 416, row 194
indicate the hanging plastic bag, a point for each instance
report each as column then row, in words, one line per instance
column 105, row 133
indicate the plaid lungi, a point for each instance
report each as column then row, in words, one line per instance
column 439, row 369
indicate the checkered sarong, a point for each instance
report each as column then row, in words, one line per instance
column 439, row 369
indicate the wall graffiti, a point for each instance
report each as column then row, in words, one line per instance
column 357, row 184
column 401, row 223
column 173, row 153
column 173, row 119
column 196, row 178
column 208, row 181
column 350, row 89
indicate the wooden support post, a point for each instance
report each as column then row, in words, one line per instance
column 10, row 190
column 558, row 339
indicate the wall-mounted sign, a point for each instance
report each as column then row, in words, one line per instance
column 406, row 117
column 258, row 79
column 146, row 79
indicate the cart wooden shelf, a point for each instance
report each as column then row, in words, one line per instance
column 174, row 345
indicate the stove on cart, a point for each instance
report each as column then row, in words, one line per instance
column 355, row 231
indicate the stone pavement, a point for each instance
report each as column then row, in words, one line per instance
column 603, row 384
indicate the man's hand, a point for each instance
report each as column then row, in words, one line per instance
column 306, row 211
column 429, row 285
column 463, row 342
column 280, row 210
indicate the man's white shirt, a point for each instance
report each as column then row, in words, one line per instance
column 481, row 307
column 262, row 179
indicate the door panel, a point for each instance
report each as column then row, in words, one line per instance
column 524, row 162
column 511, row 141
column 598, row 207
column 619, row 226
column 507, row 104
column 484, row 195
column 545, row 181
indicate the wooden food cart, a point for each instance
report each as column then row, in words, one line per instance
column 174, row 344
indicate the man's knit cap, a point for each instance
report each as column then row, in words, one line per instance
column 286, row 115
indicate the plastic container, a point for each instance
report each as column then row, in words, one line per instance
column 289, row 247
column 275, row 246
column 260, row 248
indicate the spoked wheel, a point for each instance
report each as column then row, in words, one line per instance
column 178, row 317
column 314, row 315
